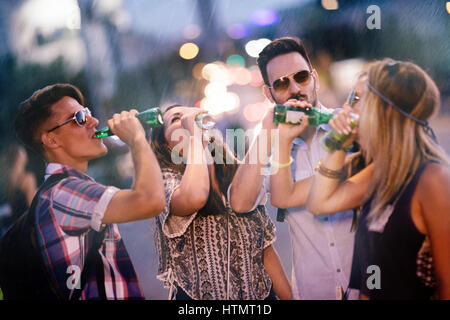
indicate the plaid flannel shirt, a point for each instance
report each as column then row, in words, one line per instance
column 65, row 214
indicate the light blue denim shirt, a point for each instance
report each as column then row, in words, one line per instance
column 322, row 246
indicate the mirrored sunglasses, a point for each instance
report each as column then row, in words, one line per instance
column 80, row 118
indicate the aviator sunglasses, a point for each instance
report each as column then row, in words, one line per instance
column 301, row 77
column 79, row 117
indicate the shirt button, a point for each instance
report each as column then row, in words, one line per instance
column 338, row 270
column 332, row 244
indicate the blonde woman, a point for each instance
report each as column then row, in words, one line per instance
column 403, row 233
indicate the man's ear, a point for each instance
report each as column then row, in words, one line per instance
column 267, row 93
column 49, row 140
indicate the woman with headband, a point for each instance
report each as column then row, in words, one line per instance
column 403, row 234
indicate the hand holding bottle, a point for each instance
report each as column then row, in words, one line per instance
column 344, row 128
column 344, row 123
column 127, row 127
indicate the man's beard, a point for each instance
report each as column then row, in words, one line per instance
column 304, row 97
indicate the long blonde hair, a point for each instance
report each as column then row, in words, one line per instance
column 395, row 143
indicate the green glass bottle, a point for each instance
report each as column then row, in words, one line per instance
column 333, row 141
column 292, row 115
column 152, row 117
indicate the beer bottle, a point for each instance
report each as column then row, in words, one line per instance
column 333, row 141
column 293, row 115
column 151, row 117
column 205, row 121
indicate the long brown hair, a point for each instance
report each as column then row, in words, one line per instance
column 224, row 171
column 397, row 144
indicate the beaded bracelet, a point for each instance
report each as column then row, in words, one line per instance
column 332, row 174
column 280, row 165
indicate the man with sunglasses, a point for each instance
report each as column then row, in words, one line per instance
column 73, row 212
column 321, row 246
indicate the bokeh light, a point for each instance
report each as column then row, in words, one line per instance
column 216, row 72
column 218, row 104
column 264, row 17
column 214, row 89
column 254, row 47
column 197, row 70
column 189, row 51
column 192, row 32
column 49, row 15
column 257, row 79
column 235, row 60
column 330, row 4
column 255, row 112
column 238, row 31
column 241, row 76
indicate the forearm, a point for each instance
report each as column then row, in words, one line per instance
column 323, row 187
column 276, row 273
column 249, row 177
column 281, row 182
column 148, row 177
column 193, row 191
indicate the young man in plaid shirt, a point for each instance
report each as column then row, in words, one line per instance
column 55, row 123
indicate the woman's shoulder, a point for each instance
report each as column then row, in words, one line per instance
column 435, row 174
column 434, row 181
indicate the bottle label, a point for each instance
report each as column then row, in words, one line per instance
column 294, row 117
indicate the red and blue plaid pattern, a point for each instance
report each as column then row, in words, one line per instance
column 64, row 216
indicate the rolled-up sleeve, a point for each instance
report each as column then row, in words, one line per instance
column 172, row 225
column 79, row 205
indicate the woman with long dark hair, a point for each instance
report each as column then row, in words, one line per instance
column 207, row 250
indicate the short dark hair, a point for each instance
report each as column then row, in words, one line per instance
column 35, row 110
column 278, row 47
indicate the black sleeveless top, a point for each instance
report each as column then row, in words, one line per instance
column 394, row 250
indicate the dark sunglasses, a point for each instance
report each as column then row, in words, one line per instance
column 353, row 98
column 301, row 77
column 79, row 117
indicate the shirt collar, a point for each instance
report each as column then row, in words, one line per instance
column 54, row 168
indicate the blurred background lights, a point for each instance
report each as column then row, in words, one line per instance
column 49, row 15
column 192, row 31
column 254, row 47
column 217, row 72
column 330, row 4
column 241, row 76
column 238, row 31
column 107, row 6
column 189, row 50
column 215, row 88
column 255, row 112
column 257, row 79
column 197, row 70
column 225, row 102
column 264, row 17
column 208, row 70
column 235, row 60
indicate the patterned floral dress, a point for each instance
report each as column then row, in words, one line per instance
column 202, row 254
